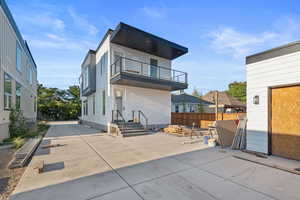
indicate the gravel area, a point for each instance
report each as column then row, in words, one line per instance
column 9, row 178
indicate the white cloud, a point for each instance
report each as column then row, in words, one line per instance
column 228, row 40
column 52, row 41
column 81, row 21
column 155, row 11
column 45, row 20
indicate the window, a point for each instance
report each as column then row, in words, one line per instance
column 18, row 96
column 30, row 74
column 34, row 104
column 7, row 91
column 18, row 58
column 176, row 108
column 94, row 102
column 85, row 107
column 103, row 102
column 103, row 63
column 85, row 78
column 153, row 68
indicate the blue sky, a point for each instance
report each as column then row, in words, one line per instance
column 219, row 34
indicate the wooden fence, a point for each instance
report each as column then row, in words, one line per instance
column 201, row 120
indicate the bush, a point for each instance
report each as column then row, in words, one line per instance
column 17, row 125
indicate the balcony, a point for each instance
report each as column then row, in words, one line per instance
column 127, row 71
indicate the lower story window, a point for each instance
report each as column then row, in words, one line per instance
column 34, row 104
column 18, row 96
column 85, row 107
column 7, row 91
column 103, row 102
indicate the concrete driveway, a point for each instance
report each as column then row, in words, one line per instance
column 91, row 165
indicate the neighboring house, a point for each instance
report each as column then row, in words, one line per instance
column 18, row 72
column 130, row 76
column 273, row 101
column 189, row 103
column 226, row 102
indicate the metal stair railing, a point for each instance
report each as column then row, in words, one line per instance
column 140, row 114
column 118, row 114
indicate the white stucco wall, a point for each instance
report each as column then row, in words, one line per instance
column 155, row 104
column 102, row 83
column 260, row 76
column 8, row 42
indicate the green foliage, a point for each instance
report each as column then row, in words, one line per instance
column 17, row 125
column 56, row 104
column 238, row 90
column 200, row 108
column 18, row 142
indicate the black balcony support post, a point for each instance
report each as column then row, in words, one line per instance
column 186, row 78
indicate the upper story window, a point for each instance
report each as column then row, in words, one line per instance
column 7, row 91
column 85, row 78
column 103, row 63
column 18, row 58
column 30, row 72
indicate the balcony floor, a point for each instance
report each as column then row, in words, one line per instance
column 146, row 82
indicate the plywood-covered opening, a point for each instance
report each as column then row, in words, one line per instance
column 285, row 121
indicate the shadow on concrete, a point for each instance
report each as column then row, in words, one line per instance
column 63, row 130
column 54, row 166
column 43, row 151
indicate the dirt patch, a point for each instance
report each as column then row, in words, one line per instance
column 9, row 178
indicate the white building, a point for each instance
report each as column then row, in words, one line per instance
column 130, row 77
column 18, row 72
column 185, row 103
column 273, row 101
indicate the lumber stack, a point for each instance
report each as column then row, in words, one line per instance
column 181, row 130
column 173, row 129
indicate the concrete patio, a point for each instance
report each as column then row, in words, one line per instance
column 93, row 165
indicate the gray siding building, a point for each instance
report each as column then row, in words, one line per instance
column 18, row 73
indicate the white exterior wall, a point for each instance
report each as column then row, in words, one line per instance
column 155, row 104
column 261, row 75
column 8, row 41
column 102, row 83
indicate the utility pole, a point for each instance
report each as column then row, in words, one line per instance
column 216, row 104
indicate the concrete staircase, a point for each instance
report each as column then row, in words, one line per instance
column 129, row 129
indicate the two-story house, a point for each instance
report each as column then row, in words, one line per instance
column 18, row 73
column 129, row 79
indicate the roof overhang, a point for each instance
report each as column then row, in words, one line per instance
column 134, row 38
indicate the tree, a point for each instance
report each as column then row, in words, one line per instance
column 196, row 93
column 238, row 90
column 56, row 104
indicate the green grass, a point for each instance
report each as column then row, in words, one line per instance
column 18, row 142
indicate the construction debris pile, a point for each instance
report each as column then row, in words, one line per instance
column 181, row 130
column 226, row 133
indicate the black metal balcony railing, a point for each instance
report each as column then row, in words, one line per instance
column 128, row 65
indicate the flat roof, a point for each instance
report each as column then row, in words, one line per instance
column 135, row 38
column 274, row 52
